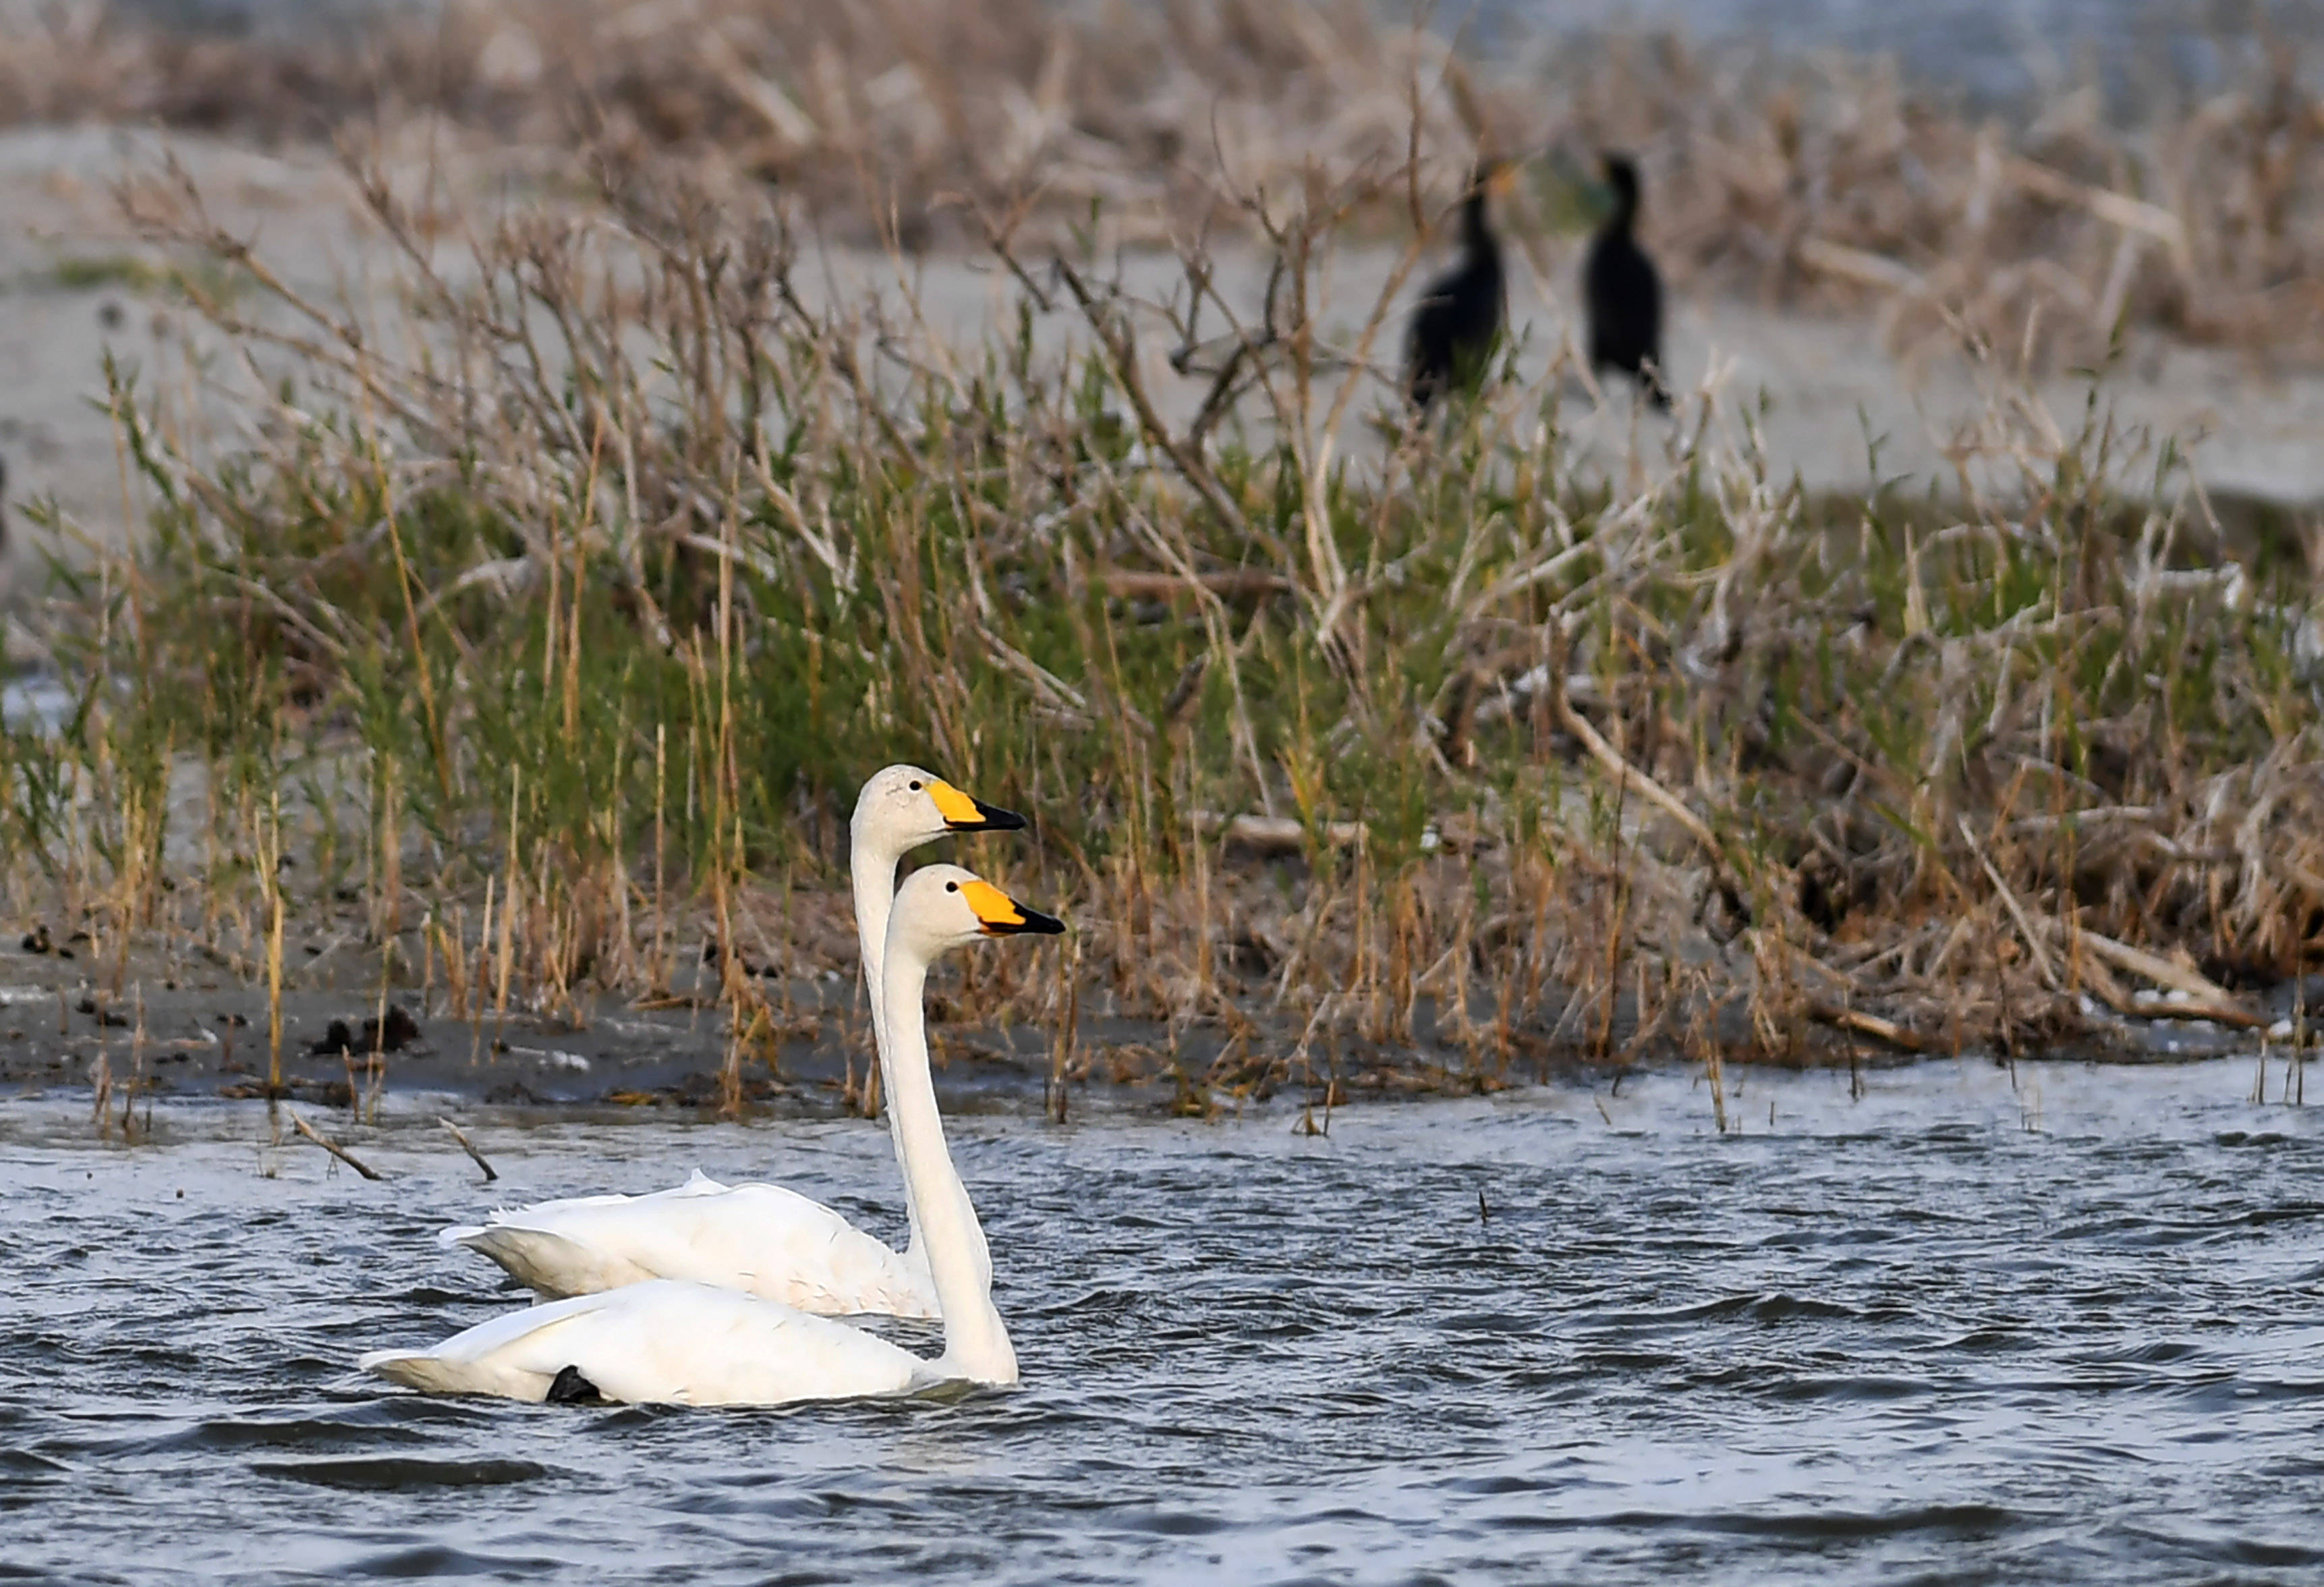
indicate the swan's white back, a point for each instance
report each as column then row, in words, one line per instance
column 662, row 1343
column 761, row 1239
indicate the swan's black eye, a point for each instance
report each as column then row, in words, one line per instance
column 951, row 887
column 915, row 788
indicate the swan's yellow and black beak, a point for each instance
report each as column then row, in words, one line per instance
column 1002, row 915
column 965, row 813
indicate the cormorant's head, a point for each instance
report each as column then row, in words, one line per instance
column 1622, row 176
column 1491, row 180
column 1496, row 177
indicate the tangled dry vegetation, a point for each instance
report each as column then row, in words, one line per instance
column 553, row 630
column 1824, row 180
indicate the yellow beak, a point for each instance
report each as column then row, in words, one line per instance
column 963, row 813
column 1002, row 916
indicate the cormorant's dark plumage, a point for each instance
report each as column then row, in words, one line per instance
column 1459, row 313
column 1623, row 292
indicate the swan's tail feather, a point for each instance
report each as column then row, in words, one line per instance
column 431, row 1373
column 414, row 1369
column 458, row 1233
column 550, row 1265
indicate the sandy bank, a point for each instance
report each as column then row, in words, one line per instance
column 76, row 283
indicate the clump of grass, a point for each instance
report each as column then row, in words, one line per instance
column 597, row 585
column 129, row 272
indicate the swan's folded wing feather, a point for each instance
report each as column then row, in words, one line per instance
column 761, row 1239
column 553, row 1265
column 660, row 1343
column 541, row 1214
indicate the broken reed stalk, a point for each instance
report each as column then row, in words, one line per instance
column 505, row 954
column 375, row 1060
column 137, row 1076
column 477, row 983
column 470, row 1147
column 334, row 1148
column 271, row 865
column 1068, row 1031
column 1883, row 1030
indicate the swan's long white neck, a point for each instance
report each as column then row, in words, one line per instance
column 871, row 872
column 976, row 1344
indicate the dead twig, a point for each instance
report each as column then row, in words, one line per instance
column 1871, row 1024
column 1625, row 774
column 470, row 1147
column 2209, row 999
column 2017, row 910
column 334, row 1148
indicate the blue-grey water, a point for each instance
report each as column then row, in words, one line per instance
column 2061, row 1325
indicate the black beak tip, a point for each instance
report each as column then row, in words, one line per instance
column 1036, row 924
column 989, row 818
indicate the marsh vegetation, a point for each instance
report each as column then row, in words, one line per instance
column 549, row 618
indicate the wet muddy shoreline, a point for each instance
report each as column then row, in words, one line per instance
column 62, row 1035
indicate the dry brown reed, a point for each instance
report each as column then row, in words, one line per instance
column 1822, row 180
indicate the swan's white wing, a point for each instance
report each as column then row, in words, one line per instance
column 545, row 1212
column 663, row 1343
column 549, row 1264
column 761, row 1239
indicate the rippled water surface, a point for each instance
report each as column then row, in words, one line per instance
column 1965, row 1329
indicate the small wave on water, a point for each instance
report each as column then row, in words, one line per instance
column 1917, row 1336
column 395, row 1474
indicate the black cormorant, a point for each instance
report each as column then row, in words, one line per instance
column 1623, row 291
column 1459, row 315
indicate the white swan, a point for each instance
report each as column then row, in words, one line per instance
column 761, row 1239
column 675, row 1341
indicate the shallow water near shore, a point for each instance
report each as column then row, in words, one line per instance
column 1974, row 1325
